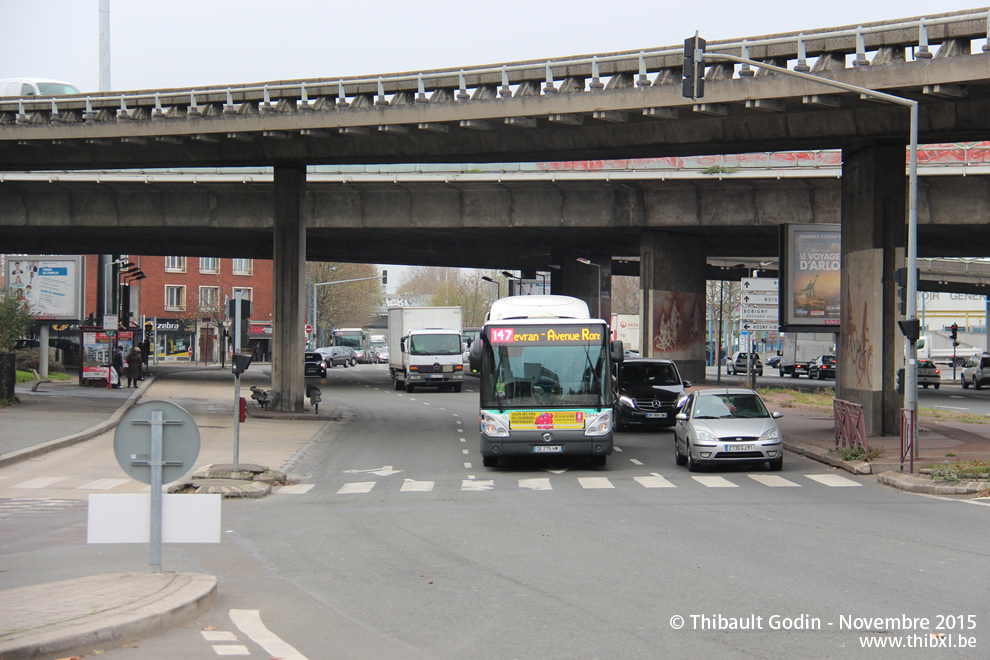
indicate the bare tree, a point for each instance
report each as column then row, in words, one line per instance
column 722, row 299
column 348, row 304
column 626, row 295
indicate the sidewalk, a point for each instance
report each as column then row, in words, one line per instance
column 75, row 616
column 57, row 619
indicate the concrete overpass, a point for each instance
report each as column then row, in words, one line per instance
column 613, row 105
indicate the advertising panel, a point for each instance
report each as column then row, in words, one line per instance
column 812, row 293
column 52, row 285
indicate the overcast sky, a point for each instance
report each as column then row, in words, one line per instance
column 183, row 43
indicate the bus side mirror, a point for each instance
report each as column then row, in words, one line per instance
column 616, row 351
column 474, row 356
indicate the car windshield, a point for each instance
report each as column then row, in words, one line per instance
column 313, row 357
column 648, row 374
column 720, row 406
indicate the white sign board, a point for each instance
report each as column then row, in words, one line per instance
column 760, row 299
column 126, row 518
column 753, row 327
column 759, row 284
column 752, row 313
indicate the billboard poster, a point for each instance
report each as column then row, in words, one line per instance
column 52, row 285
column 97, row 346
column 814, row 283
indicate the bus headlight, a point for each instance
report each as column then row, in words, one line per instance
column 495, row 426
column 600, row 424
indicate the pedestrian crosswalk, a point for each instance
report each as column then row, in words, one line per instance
column 652, row 480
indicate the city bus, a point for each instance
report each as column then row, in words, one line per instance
column 545, row 382
column 356, row 338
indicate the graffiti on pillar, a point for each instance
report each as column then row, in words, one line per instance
column 858, row 346
column 678, row 325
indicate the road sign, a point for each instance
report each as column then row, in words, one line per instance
column 760, row 298
column 767, row 284
column 309, row 329
column 751, row 313
column 180, row 441
column 753, row 327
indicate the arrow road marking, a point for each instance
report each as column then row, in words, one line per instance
column 249, row 621
column 383, row 471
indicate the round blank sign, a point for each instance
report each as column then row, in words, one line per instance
column 180, row 441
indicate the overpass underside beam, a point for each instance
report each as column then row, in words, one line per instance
column 672, row 277
column 289, row 262
column 870, row 349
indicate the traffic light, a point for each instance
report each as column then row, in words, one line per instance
column 694, row 67
column 384, row 277
column 954, row 333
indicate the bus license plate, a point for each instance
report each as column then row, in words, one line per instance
column 547, row 449
column 740, row 447
column 656, row 415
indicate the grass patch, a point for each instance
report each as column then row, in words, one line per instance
column 858, row 453
column 822, row 399
column 965, row 471
column 28, row 377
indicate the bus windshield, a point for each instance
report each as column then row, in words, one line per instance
column 540, row 375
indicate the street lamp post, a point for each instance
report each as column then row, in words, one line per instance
column 588, row 262
column 506, row 274
column 498, row 286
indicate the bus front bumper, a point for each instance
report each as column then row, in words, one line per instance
column 547, row 443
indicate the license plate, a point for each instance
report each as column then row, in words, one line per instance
column 436, row 375
column 740, row 447
column 656, row 415
column 547, row 449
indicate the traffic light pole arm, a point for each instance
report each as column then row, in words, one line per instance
column 911, row 311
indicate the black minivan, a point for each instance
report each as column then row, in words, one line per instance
column 647, row 392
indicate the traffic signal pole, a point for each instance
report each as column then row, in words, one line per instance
column 911, row 325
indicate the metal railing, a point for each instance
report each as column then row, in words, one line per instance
column 628, row 69
column 907, row 438
column 850, row 426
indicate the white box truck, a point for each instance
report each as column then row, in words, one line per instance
column 425, row 348
column 625, row 327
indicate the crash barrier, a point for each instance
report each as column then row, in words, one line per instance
column 315, row 396
column 265, row 398
column 850, row 425
column 907, row 438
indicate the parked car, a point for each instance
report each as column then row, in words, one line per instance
column 976, row 371
column 737, row 363
column 822, row 367
column 727, row 426
column 647, row 392
column 316, row 367
column 928, row 374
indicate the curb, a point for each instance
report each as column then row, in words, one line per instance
column 825, row 456
column 158, row 605
column 915, row 484
column 76, row 438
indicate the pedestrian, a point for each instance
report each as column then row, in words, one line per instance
column 117, row 364
column 145, row 352
column 133, row 367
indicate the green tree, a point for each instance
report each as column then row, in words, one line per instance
column 15, row 318
column 347, row 304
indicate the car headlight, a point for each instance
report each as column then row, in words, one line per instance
column 495, row 426
column 600, row 424
column 628, row 402
column 772, row 435
column 705, row 437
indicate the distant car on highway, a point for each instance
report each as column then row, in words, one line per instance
column 822, row 367
column 928, row 374
column 737, row 363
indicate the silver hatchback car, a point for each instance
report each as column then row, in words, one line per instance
column 727, row 426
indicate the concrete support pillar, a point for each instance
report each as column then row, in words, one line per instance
column 871, row 348
column 590, row 282
column 289, row 265
column 672, row 276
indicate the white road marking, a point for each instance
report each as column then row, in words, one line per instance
column 635, row 461
column 472, row 484
column 617, row 448
column 773, row 481
column 218, row 635
column 40, row 482
column 653, row 481
column 833, row 480
column 231, row 649
column 426, row 403
column 294, row 489
column 381, row 472
column 467, row 465
column 356, row 487
column 595, row 482
column 715, row 482
column 411, row 486
column 249, row 621
column 102, row 484
column 539, row 483
column 463, row 439
column 465, row 451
